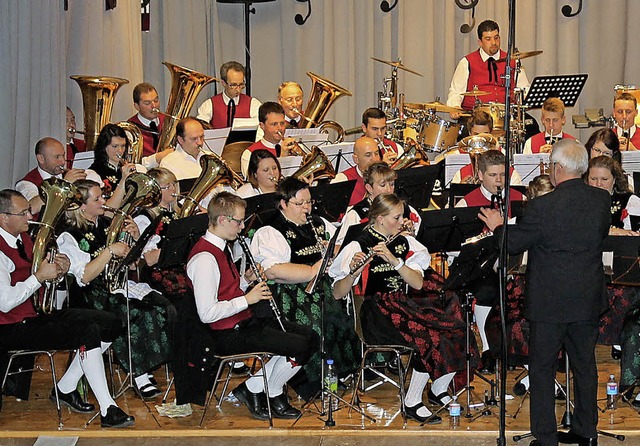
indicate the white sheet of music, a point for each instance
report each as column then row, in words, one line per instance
column 289, row 164
column 215, row 139
column 631, row 160
column 307, row 136
column 342, row 151
column 528, row 166
column 454, row 163
column 245, row 123
column 83, row 160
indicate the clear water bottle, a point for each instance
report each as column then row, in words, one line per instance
column 612, row 392
column 331, row 385
column 454, row 413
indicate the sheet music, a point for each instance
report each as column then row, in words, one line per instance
column 630, row 160
column 454, row 163
column 528, row 166
column 289, row 164
column 245, row 123
column 345, row 150
column 216, row 138
column 82, row 160
column 307, row 136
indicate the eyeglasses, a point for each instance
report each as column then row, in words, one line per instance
column 302, row 203
column 242, row 85
column 600, row 152
column 292, row 100
column 173, row 185
column 237, row 220
column 20, row 214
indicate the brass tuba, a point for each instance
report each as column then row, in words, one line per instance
column 316, row 163
column 323, row 94
column 59, row 196
column 185, row 87
column 411, row 156
column 136, row 143
column 98, row 94
column 215, row 172
column 141, row 191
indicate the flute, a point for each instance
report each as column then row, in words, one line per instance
column 261, row 276
column 371, row 253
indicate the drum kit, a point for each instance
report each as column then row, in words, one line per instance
column 438, row 135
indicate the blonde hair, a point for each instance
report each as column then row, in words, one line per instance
column 554, row 105
column 539, row 186
column 162, row 175
column 75, row 217
column 382, row 205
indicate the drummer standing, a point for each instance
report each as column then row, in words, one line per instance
column 482, row 69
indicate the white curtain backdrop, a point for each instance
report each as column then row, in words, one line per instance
column 42, row 45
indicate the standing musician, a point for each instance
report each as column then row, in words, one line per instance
column 388, row 315
column 564, row 232
column 89, row 331
column 365, row 153
column 374, row 125
column 625, row 110
column 553, row 119
column 291, row 96
column 150, row 122
column 151, row 315
column 263, row 175
column 74, row 145
column 223, row 304
column 290, row 250
column 481, row 69
column 221, row 109
column 51, row 163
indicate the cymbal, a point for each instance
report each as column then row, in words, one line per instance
column 521, row 55
column 397, row 65
column 437, row 106
column 475, row 93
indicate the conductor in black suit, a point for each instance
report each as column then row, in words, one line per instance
column 565, row 291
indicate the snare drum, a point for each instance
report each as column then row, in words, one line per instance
column 438, row 134
column 496, row 111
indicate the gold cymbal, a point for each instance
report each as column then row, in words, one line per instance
column 521, row 55
column 476, row 93
column 397, row 65
column 437, row 106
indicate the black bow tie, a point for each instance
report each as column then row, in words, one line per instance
column 293, row 123
column 21, row 252
column 156, row 137
column 492, row 67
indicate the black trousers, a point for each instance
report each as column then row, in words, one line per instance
column 579, row 341
column 70, row 328
column 265, row 335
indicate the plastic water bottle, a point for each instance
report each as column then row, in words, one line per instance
column 454, row 413
column 612, row 392
column 331, row 385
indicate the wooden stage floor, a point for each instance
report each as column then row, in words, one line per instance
column 22, row 422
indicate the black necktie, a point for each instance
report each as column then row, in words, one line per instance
column 155, row 134
column 492, row 67
column 231, row 112
column 293, row 123
column 232, row 266
column 21, row 252
column 278, row 148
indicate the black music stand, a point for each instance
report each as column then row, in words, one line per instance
column 332, row 199
column 180, row 237
column 261, row 209
column 416, row 185
column 626, row 260
column 566, row 87
column 241, row 135
column 445, row 230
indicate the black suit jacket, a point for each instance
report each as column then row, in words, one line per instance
column 563, row 232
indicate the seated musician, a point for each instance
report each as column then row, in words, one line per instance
column 74, row 145
column 374, row 125
column 365, row 153
column 21, row 327
column 290, row 249
column 223, row 304
column 272, row 122
column 150, row 122
column 291, row 96
column 379, row 178
column 389, row 316
column 491, row 173
column 51, row 163
column 625, row 110
column 84, row 242
column 221, row 109
column 553, row 119
column 604, row 142
column 263, row 175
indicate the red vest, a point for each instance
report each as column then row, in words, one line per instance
column 34, row 177
column 476, row 198
column 392, row 144
column 219, row 110
column 538, row 140
column 635, row 139
column 148, row 148
column 359, row 191
column 229, row 286
column 260, row 145
column 479, row 75
column 21, row 273
column 80, row 145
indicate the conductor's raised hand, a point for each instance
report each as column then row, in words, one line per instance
column 259, row 292
column 491, row 217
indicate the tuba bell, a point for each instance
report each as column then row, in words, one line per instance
column 323, row 94
column 58, row 196
column 215, row 172
column 136, row 143
column 98, row 94
column 185, row 87
column 411, row 156
column 316, row 163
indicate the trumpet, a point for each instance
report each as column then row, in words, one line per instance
column 275, row 180
column 371, row 253
column 260, row 274
column 73, row 130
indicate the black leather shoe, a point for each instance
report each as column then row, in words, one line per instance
column 573, row 438
column 438, row 400
column 535, row 443
column 149, row 391
column 73, row 401
column 116, row 417
column 519, row 389
column 240, row 370
column 616, row 353
column 412, row 412
column 255, row 402
column 488, row 363
column 636, row 403
column 281, row 408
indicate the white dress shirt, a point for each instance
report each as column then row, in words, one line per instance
column 149, row 162
column 205, row 111
column 30, row 190
column 12, row 296
column 181, row 164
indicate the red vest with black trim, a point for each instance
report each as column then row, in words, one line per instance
column 539, row 139
column 229, row 286
column 359, row 191
column 80, row 146
column 21, row 273
column 479, row 75
column 219, row 109
column 34, row 177
column 476, row 198
column 635, row 139
column 148, row 148
column 259, row 145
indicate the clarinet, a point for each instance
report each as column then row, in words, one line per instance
column 262, row 277
column 496, row 200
